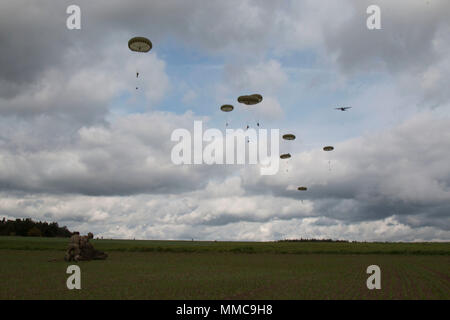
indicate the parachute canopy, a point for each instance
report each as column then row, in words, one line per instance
column 227, row 108
column 302, row 188
column 328, row 148
column 257, row 96
column 139, row 44
column 289, row 136
column 250, row 99
column 285, row 156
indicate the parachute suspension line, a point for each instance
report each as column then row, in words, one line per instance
column 137, row 78
column 287, row 165
column 250, row 100
column 252, row 121
column 142, row 45
column 137, row 67
column 288, row 137
column 227, row 108
column 328, row 149
column 302, row 189
column 247, row 119
column 255, row 118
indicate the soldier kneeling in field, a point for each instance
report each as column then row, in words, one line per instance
column 73, row 250
column 86, row 251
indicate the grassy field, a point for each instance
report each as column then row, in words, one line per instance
column 29, row 243
column 225, row 270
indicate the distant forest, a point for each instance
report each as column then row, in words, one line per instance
column 30, row 228
column 312, row 240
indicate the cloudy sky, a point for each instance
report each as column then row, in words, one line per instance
column 81, row 146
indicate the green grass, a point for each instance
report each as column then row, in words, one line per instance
column 28, row 243
column 165, row 275
column 33, row 268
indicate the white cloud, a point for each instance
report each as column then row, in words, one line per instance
column 265, row 76
column 189, row 96
column 71, row 150
column 386, row 186
column 85, row 92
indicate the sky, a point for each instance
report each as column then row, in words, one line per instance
column 81, row 146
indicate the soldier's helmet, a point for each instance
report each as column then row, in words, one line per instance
column 76, row 232
column 90, row 235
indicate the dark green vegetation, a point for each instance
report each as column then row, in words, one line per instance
column 30, row 228
column 435, row 248
column 225, row 270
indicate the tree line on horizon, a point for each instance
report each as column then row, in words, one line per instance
column 311, row 240
column 29, row 228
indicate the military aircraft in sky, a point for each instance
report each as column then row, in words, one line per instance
column 343, row 108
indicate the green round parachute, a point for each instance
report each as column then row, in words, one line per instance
column 139, row 44
column 302, row 188
column 227, row 108
column 285, row 156
column 289, row 136
column 328, row 148
column 257, row 97
column 250, row 99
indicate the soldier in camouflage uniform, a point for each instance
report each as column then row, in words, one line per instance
column 87, row 249
column 73, row 250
